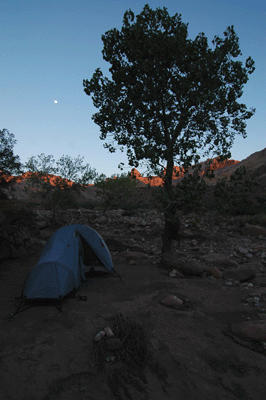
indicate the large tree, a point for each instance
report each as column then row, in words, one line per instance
column 169, row 98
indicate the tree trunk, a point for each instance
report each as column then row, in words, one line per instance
column 167, row 239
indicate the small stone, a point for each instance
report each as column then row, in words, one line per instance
column 247, row 284
column 172, row 302
column 108, row 332
column 214, row 272
column 99, row 335
column 242, row 250
column 229, row 283
column 131, row 242
column 176, row 274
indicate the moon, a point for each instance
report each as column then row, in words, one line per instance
column 55, row 101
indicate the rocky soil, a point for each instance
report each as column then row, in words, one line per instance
column 202, row 308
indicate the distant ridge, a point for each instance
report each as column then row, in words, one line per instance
column 179, row 172
column 254, row 164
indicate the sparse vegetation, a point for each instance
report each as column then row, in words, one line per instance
column 116, row 192
column 57, row 183
column 235, row 195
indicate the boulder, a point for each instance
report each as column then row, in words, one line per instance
column 253, row 331
column 192, row 268
column 220, row 260
column 240, row 274
column 257, row 266
column 188, row 268
column 254, row 230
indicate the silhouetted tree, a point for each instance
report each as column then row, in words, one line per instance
column 169, row 98
column 9, row 163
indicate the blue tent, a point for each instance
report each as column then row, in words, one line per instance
column 61, row 267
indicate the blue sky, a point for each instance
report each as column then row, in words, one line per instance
column 48, row 47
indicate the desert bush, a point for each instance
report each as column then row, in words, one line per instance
column 188, row 195
column 258, row 219
column 235, row 195
column 116, row 192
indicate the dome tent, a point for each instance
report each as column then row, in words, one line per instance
column 61, row 267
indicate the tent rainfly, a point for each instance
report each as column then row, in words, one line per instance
column 61, row 267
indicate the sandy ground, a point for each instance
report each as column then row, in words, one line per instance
column 45, row 355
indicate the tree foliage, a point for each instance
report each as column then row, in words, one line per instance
column 9, row 163
column 170, row 99
column 59, row 182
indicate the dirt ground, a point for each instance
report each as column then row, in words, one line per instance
column 45, row 355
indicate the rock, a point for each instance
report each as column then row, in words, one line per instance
column 171, row 302
column 219, row 260
column 229, row 283
column 131, row 242
column 192, row 268
column 46, row 234
column 176, row 274
column 232, row 283
column 101, row 220
column 41, row 224
column 214, row 271
column 99, row 335
column 254, row 230
column 113, row 344
column 247, row 284
column 251, row 331
column 189, row 268
column 134, row 255
column 132, row 262
column 108, row 332
column 242, row 250
column 257, row 266
column 240, row 274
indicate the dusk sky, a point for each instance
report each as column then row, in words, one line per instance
column 48, row 47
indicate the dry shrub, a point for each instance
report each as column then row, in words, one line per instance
column 134, row 352
column 124, row 368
